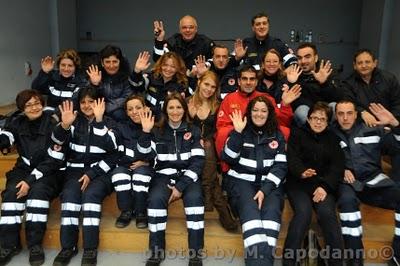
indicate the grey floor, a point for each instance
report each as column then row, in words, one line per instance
column 125, row 259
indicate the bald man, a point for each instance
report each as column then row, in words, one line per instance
column 187, row 43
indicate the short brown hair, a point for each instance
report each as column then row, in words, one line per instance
column 321, row 106
column 24, row 96
column 69, row 54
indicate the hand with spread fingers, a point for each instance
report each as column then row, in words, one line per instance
column 325, row 69
column 94, row 74
column 384, row 116
column 142, row 62
column 240, row 50
column 68, row 115
column 293, row 73
column 239, row 122
column 47, row 64
column 159, row 32
column 290, row 95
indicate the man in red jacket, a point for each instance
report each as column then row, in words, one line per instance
column 239, row 100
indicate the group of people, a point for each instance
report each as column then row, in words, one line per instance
column 270, row 121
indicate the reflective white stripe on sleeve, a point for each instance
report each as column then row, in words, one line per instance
column 377, row 179
column 185, row 156
column 197, row 152
column 140, row 188
column 60, row 93
column 143, row 149
column 247, row 177
column 276, row 180
column 9, row 135
column 103, row 165
column 192, row 175
column 397, row 137
column 125, row 187
column 397, row 231
column 55, row 154
column 53, row 138
column 167, row 157
column 352, row 231
column 367, row 140
column 280, row 158
column 350, row 216
column 231, row 153
column 268, row 163
column 397, row 217
column 151, row 99
column 129, row 152
column 26, row 160
column 248, row 162
column 37, row 174
column 100, row 132
column 167, row 171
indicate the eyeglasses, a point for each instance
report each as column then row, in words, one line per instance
column 318, row 119
column 31, row 105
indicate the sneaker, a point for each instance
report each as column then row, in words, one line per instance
column 141, row 221
column 89, row 257
column 36, row 255
column 64, row 257
column 6, row 254
column 155, row 259
column 124, row 219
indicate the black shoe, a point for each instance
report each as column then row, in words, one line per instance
column 36, row 255
column 155, row 259
column 124, row 219
column 89, row 257
column 64, row 256
column 141, row 221
column 6, row 254
column 196, row 261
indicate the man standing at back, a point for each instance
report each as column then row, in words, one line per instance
column 261, row 42
column 187, row 43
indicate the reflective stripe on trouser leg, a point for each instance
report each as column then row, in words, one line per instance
column 194, row 209
column 157, row 212
column 70, row 198
column 140, row 183
column 350, row 218
column 92, row 199
column 121, row 180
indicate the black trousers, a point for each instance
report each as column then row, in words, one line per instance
column 303, row 205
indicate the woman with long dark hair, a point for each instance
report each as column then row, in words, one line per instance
column 179, row 161
column 255, row 152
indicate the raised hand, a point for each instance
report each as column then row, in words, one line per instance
column 239, row 123
column 99, row 107
column 384, row 116
column 94, row 74
column 159, row 32
column 308, row 173
column 259, row 197
column 142, row 62
column 47, row 64
column 68, row 115
column 147, row 120
column 293, row 72
column 240, row 50
column 319, row 194
column 369, row 119
column 201, row 66
column 290, row 95
column 325, row 69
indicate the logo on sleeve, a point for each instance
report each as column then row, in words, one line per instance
column 221, row 113
column 57, row 147
column 231, row 81
column 273, row 144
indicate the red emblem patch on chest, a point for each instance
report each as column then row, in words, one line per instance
column 231, row 81
column 273, row 144
column 187, row 136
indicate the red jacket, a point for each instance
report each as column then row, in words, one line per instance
column 239, row 101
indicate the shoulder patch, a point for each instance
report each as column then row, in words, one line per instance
column 273, row 144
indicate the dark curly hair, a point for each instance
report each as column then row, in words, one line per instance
column 271, row 125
